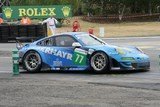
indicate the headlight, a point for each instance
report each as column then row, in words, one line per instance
column 120, row 51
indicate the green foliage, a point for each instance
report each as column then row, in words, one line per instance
column 75, row 3
column 105, row 7
column 100, row 7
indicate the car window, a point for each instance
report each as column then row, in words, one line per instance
column 89, row 40
column 64, row 41
column 47, row 42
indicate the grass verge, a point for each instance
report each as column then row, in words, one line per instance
column 123, row 29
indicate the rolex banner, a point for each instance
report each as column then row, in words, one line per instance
column 16, row 12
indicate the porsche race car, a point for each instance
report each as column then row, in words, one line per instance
column 80, row 51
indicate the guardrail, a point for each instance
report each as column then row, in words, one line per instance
column 159, row 60
column 124, row 18
column 15, row 60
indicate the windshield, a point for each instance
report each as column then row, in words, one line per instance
column 90, row 40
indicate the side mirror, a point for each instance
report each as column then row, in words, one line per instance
column 76, row 44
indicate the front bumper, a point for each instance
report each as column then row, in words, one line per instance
column 132, row 66
column 135, row 65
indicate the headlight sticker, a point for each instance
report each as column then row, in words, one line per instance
column 120, row 51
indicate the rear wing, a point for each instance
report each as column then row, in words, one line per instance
column 21, row 40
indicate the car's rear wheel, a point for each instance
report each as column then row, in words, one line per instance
column 99, row 62
column 32, row 61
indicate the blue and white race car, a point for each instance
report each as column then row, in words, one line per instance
column 80, row 51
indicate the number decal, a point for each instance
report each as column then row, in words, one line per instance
column 82, row 57
column 79, row 58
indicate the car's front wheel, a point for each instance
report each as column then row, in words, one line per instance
column 99, row 62
column 32, row 61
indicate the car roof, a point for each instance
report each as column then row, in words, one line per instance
column 72, row 33
column 65, row 33
column 68, row 33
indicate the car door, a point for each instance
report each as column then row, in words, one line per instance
column 68, row 56
column 58, row 52
column 63, row 51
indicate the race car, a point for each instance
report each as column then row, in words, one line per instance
column 80, row 51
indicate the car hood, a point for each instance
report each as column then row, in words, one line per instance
column 112, row 49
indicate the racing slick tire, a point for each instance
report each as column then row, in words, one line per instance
column 99, row 62
column 32, row 61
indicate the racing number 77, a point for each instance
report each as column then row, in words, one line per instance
column 79, row 58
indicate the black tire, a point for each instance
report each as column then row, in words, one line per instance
column 99, row 62
column 32, row 61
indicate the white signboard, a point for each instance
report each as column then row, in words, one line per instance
column 101, row 31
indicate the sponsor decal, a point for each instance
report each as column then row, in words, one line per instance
column 57, row 62
column 79, row 57
column 66, row 11
column 8, row 12
column 59, row 11
column 57, row 53
column 36, row 11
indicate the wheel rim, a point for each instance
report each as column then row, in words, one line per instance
column 98, row 61
column 32, row 61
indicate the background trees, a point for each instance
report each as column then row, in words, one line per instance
column 105, row 7
column 101, row 7
column 75, row 3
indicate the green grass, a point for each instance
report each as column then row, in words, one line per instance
column 118, row 29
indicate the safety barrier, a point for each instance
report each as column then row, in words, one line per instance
column 116, row 18
column 10, row 32
column 159, row 60
column 15, row 60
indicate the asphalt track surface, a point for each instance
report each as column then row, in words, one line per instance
column 83, row 89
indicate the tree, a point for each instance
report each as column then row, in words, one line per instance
column 129, row 6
